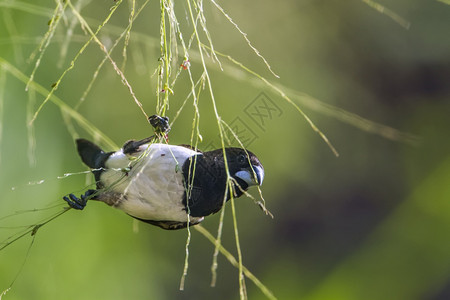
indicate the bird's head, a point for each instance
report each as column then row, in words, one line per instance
column 244, row 167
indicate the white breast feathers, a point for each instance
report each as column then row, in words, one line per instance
column 150, row 181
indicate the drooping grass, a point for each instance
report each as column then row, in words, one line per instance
column 170, row 41
column 30, row 128
column 26, row 230
column 83, row 48
column 68, row 36
column 125, row 33
column 53, row 24
column 128, row 32
column 234, row 262
column 391, row 14
column 81, row 121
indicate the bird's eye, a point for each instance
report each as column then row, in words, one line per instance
column 241, row 159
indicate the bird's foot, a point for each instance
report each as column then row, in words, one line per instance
column 160, row 124
column 79, row 203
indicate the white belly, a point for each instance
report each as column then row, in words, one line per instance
column 153, row 188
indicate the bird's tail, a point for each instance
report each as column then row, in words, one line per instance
column 91, row 154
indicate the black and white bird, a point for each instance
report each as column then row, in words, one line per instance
column 166, row 185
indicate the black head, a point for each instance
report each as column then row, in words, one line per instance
column 208, row 186
column 244, row 167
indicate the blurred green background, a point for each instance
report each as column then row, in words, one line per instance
column 371, row 224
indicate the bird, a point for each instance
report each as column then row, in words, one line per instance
column 169, row 186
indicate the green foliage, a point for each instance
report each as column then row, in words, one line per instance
column 369, row 224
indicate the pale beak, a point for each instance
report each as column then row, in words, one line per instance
column 254, row 176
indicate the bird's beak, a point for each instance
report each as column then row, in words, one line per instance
column 252, row 176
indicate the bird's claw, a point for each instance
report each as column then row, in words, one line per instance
column 75, row 202
column 160, row 124
column 78, row 203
